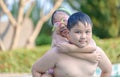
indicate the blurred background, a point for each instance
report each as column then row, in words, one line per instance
column 25, row 29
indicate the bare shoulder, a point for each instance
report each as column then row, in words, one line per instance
column 47, row 61
column 53, row 52
column 104, row 57
column 99, row 49
column 50, row 56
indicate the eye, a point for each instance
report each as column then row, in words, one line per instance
column 78, row 32
column 88, row 32
column 64, row 20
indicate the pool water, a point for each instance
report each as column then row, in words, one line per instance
column 115, row 71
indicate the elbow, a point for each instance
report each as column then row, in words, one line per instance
column 34, row 71
column 108, row 70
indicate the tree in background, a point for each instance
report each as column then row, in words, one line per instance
column 26, row 25
column 104, row 13
column 19, row 19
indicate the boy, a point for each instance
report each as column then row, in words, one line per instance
column 80, row 34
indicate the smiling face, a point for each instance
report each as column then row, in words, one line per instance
column 61, row 17
column 80, row 34
column 60, row 23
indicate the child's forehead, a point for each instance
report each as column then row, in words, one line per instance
column 60, row 12
column 81, row 24
column 58, row 16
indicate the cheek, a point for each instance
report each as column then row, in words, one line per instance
column 89, row 37
column 77, row 37
column 70, row 37
column 74, row 38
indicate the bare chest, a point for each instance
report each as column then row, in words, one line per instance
column 68, row 66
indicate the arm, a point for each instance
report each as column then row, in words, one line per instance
column 47, row 75
column 46, row 62
column 91, row 57
column 71, row 48
column 104, row 64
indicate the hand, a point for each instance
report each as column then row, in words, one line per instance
column 95, row 57
column 47, row 75
column 63, row 47
column 98, row 56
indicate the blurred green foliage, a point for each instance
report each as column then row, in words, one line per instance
column 20, row 60
column 43, row 39
column 15, row 8
column 105, row 15
column 45, row 35
column 35, row 13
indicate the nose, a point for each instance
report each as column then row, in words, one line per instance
column 83, row 36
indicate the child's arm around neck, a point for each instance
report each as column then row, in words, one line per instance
column 71, row 48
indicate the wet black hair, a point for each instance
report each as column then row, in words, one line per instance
column 76, row 17
column 59, row 10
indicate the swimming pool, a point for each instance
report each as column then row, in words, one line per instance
column 115, row 71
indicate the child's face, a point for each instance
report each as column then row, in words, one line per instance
column 60, row 21
column 80, row 34
column 61, row 17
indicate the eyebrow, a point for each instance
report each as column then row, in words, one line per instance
column 88, row 29
column 81, row 29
